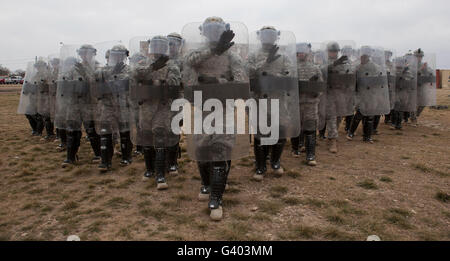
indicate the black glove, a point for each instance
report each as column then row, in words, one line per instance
column 225, row 42
column 118, row 68
column 273, row 54
column 160, row 62
column 341, row 60
column 315, row 78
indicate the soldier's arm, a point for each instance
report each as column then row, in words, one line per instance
column 288, row 67
column 173, row 75
column 196, row 57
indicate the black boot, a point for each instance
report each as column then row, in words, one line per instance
column 94, row 140
column 301, row 142
column 396, row 118
column 49, row 128
column 172, row 157
column 356, row 119
column 295, row 146
column 348, row 122
column 311, row 148
column 368, row 122
column 160, row 168
column 33, row 124
column 149, row 158
column 205, row 190
column 218, row 182
column 126, row 147
column 63, row 139
column 387, row 118
column 260, row 159
column 39, row 124
column 139, row 150
column 73, row 143
column 322, row 133
column 105, row 152
column 376, row 122
column 275, row 157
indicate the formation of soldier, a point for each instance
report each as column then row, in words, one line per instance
column 128, row 95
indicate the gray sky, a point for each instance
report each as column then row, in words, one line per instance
column 35, row 28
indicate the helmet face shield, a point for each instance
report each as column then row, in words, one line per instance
column 116, row 57
column 213, row 30
column 174, row 45
column 86, row 54
column 159, row 46
column 268, row 36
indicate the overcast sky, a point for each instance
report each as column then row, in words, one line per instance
column 35, row 28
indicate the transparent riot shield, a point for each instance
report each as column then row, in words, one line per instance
column 341, row 82
column 42, row 81
column 426, row 80
column 215, row 77
column 390, row 71
column 406, row 83
column 28, row 96
column 54, row 65
column 372, row 89
column 273, row 77
column 153, row 90
column 75, row 104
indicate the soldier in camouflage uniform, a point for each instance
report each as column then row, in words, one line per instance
column 336, row 99
column 80, row 111
column 309, row 75
column 43, row 96
column 349, row 52
column 113, row 108
column 267, row 62
column 158, row 74
column 60, row 133
column 214, row 63
column 390, row 70
column 175, row 45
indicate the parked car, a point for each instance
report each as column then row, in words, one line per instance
column 14, row 80
column 2, row 79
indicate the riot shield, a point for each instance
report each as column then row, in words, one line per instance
column 341, row 84
column 74, row 101
column 372, row 89
column 426, row 80
column 275, row 79
column 390, row 71
column 152, row 93
column 214, row 78
column 54, row 65
column 42, row 81
column 28, row 96
column 406, row 83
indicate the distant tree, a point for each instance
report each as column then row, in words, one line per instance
column 19, row 72
column 4, row 71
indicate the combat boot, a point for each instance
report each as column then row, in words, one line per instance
column 275, row 159
column 149, row 158
column 73, row 143
column 172, row 157
column 295, row 145
column 311, row 148
column 332, row 145
column 218, row 182
column 260, row 160
column 126, row 147
column 105, row 152
column 205, row 190
column 367, row 129
column 160, row 168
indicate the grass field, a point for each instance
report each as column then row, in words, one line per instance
column 397, row 188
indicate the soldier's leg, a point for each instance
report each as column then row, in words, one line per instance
column 322, row 132
column 348, row 122
column 275, row 157
column 355, row 123
column 33, row 124
column 63, row 140
column 376, row 122
column 173, row 153
column 368, row 123
column 105, row 152
column 310, row 145
column 260, row 159
column 160, row 168
column 204, row 169
column 332, row 127
column 406, row 116
column 294, row 145
column 126, row 147
column 73, row 143
column 149, row 158
column 94, row 140
column 420, row 110
column 49, row 128
column 39, row 124
column 399, row 120
column 218, row 182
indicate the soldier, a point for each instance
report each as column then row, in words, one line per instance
column 372, row 92
column 390, row 70
column 426, row 83
column 340, row 92
column 43, row 102
column 405, row 89
column 175, row 45
column 311, row 85
column 348, row 51
column 75, row 100
column 113, row 108
column 60, row 133
column 216, row 69
column 271, row 71
column 28, row 101
column 156, row 84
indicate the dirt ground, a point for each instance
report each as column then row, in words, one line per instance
column 397, row 188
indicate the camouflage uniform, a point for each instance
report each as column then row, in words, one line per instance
column 44, row 100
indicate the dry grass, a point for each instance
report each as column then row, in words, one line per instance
column 396, row 188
